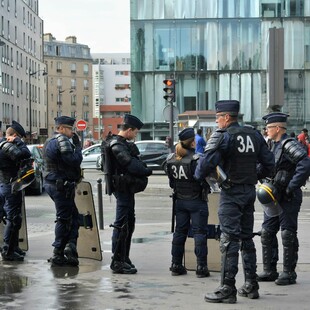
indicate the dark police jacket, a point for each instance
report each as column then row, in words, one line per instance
column 237, row 149
column 292, row 164
column 181, row 176
column 11, row 155
column 127, row 172
column 62, row 159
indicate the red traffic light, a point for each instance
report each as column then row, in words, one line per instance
column 169, row 90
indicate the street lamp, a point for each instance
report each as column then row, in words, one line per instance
column 59, row 101
column 30, row 114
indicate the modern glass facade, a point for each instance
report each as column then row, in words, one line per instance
column 217, row 49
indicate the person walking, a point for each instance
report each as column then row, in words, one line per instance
column 236, row 149
column 200, row 142
column 290, row 174
column 12, row 152
column 191, row 206
column 127, row 175
column 63, row 156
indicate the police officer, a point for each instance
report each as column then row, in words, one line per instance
column 236, row 149
column 291, row 172
column 191, row 207
column 63, row 157
column 12, row 151
column 129, row 177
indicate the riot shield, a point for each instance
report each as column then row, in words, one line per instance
column 23, row 235
column 214, row 254
column 88, row 244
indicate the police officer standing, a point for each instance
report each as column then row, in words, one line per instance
column 63, row 157
column 191, row 207
column 236, row 149
column 291, row 172
column 129, row 176
column 12, row 151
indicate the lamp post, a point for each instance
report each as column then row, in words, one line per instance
column 59, row 101
column 30, row 103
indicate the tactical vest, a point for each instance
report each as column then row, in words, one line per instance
column 186, row 187
column 240, row 165
column 59, row 167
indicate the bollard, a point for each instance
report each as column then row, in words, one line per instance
column 100, row 203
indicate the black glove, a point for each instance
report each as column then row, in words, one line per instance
column 148, row 172
column 76, row 139
column 289, row 193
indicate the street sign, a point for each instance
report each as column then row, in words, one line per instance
column 81, row 125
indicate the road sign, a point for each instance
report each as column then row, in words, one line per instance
column 81, row 125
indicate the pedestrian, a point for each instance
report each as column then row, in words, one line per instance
column 128, row 175
column 191, row 206
column 200, row 141
column 236, row 149
column 303, row 138
column 63, row 156
column 13, row 151
column 290, row 174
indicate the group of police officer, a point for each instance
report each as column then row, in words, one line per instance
column 240, row 152
column 243, row 156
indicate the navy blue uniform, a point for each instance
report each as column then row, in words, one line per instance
column 62, row 172
column 11, row 154
column 237, row 150
column 191, row 207
column 129, row 176
column 288, row 177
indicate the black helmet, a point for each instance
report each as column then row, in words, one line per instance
column 25, row 176
column 267, row 196
column 266, row 193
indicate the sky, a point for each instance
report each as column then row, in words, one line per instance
column 103, row 25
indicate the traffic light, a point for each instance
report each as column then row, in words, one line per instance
column 169, row 90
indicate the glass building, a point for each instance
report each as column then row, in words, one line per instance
column 219, row 49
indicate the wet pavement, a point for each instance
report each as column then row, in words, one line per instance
column 33, row 284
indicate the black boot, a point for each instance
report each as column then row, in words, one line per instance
column 58, row 258
column 226, row 293
column 10, row 256
column 270, row 268
column 250, row 288
column 288, row 276
column 177, row 269
column 122, row 267
column 202, row 271
column 71, row 254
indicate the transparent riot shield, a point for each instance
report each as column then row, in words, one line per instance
column 88, row 244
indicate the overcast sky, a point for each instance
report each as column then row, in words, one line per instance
column 104, row 25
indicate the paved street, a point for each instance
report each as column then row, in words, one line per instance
column 34, row 285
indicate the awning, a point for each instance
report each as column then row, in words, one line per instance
column 192, row 123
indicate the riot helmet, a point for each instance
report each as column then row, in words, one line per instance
column 267, row 196
column 25, row 176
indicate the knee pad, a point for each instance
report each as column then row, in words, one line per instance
column 266, row 237
column 288, row 237
column 225, row 240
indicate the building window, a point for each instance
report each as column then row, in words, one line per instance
column 73, row 67
column 86, row 84
column 86, row 69
column 73, row 83
column 59, row 66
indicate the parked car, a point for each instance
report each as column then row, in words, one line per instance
column 36, row 187
column 90, row 156
column 153, row 153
